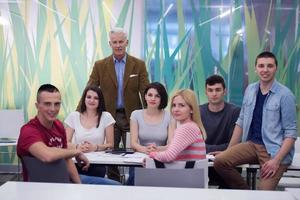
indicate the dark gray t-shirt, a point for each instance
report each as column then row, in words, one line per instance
column 219, row 126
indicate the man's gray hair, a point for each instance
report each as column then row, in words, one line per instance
column 118, row 30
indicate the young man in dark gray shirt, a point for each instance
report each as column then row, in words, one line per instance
column 218, row 118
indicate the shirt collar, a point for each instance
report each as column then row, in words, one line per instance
column 273, row 87
column 122, row 60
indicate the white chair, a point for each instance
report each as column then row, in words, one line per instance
column 175, row 174
column 11, row 121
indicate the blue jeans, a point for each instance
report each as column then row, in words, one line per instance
column 97, row 180
column 130, row 180
column 94, row 170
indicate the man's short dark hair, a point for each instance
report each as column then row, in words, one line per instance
column 161, row 90
column 214, row 79
column 266, row 54
column 46, row 88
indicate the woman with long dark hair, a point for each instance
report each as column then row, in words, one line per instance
column 91, row 128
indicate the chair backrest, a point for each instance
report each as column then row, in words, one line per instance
column 173, row 175
column 38, row 171
column 11, row 122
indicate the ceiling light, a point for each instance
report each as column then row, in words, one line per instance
column 3, row 21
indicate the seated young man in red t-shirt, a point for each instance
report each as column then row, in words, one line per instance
column 44, row 138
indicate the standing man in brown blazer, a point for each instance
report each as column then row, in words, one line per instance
column 121, row 78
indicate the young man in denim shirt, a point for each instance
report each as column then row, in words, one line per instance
column 267, row 128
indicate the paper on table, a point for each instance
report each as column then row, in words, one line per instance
column 210, row 157
column 102, row 157
column 136, row 155
column 135, row 158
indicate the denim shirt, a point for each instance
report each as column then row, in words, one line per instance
column 278, row 121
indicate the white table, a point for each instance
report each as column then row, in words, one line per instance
column 294, row 191
column 135, row 159
column 50, row 191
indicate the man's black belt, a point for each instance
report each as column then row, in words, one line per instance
column 120, row 110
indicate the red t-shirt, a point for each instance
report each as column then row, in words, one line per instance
column 33, row 132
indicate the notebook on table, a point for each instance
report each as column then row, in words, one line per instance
column 120, row 151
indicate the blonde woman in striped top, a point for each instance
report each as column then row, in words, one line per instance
column 188, row 141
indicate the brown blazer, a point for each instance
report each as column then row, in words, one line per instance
column 135, row 81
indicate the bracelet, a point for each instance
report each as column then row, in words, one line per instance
column 97, row 147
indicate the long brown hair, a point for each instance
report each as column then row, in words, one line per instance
column 101, row 105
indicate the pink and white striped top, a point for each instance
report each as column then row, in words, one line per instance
column 187, row 144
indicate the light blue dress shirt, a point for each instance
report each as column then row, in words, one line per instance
column 279, row 117
column 120, row 69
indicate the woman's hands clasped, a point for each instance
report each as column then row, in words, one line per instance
column 86, row 147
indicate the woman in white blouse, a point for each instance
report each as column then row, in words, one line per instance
column 91, row 129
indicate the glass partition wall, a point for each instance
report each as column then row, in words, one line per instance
column 181, row 41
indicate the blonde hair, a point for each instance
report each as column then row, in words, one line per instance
column 189, row 97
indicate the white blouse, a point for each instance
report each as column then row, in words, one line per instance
column 93, row 135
